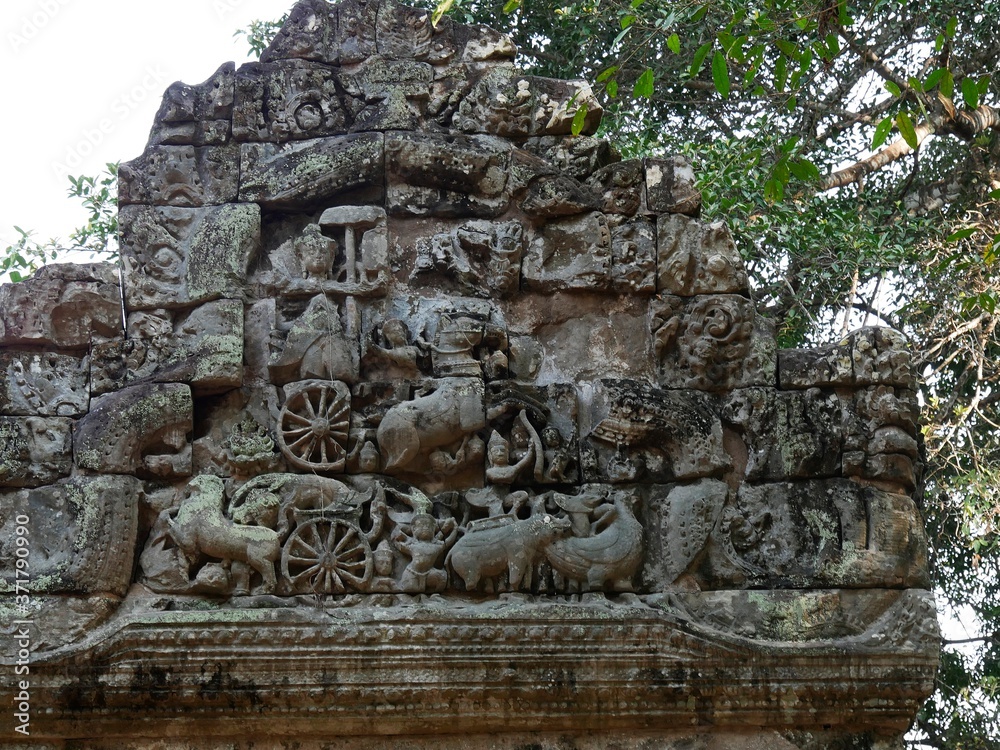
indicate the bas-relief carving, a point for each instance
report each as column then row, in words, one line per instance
column 396, row 345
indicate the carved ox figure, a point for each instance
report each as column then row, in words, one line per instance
column 200, row 528
column 414, row 428
column 515, row 547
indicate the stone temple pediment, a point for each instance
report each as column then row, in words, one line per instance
column 427, row 419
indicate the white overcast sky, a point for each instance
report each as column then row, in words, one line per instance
column 82, row 80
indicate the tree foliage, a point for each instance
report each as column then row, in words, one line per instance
column 852, row 147
column 99, row 235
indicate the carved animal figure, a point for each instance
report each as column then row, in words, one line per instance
column 610, row 557
column 513, row 547
column 413, row 428
column 200, row 528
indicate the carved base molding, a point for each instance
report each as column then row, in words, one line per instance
column 437, row 666
column 680, row 740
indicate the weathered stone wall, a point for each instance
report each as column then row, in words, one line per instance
column 414, row 414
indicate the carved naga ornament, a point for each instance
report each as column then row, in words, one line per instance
column 407, row 371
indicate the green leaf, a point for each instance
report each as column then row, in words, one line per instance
column 442, row 7
column 970, row 93
column 780, row 74
column 674, row 44
column 882, row 131
column 612, row 89
column 893, row 89
column 774, row 191
column 803, row 169
column 788, row 49
column 906, row 129
column 699, row 14
column 627, row 21
column 579, row 119
column 607, row 73
column 962, row 234
column 643, row 88
column 833, row 43
column 915, row 84
column 699, row 58
column 947, row 85
column 720, row 74
column 951, row 27
column 939, row 43
column 843, row 15
column 621, row 35
column 16, row 277
column 983, row 85
column 511, row 5
column 934, row 78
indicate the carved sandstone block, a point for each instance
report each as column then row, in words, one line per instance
column 187, row 176
column 620, row 186
column 833, row 532
column 82, row 535
column 711, row 342
column 580, row 157
column 788, row 434
column 695, row 258
column 312, row 171
column 532, row 434
column 506, row 104
column 43, row 384
column 571, row 253
column 179, row 257
column 142, row 430
column 64, row 306
column 34, row 450
column 634, row 432
column 196, row 115
column 203, row 347
column 446, row 175
column 633, row 249
column 476, row 258
column 285, row 101
column 338, row 34
column 670, row 186
column 870, row 356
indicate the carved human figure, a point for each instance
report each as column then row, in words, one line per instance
column 469, row 453
column 424, row 544
column 557, row 457
column 500, row 470
column 396, row 354
column 316, row 253
column 382, row 580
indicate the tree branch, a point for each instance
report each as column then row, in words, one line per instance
column 875, row 162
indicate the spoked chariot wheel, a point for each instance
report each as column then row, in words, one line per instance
column 314, row 424
column 327, row 556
